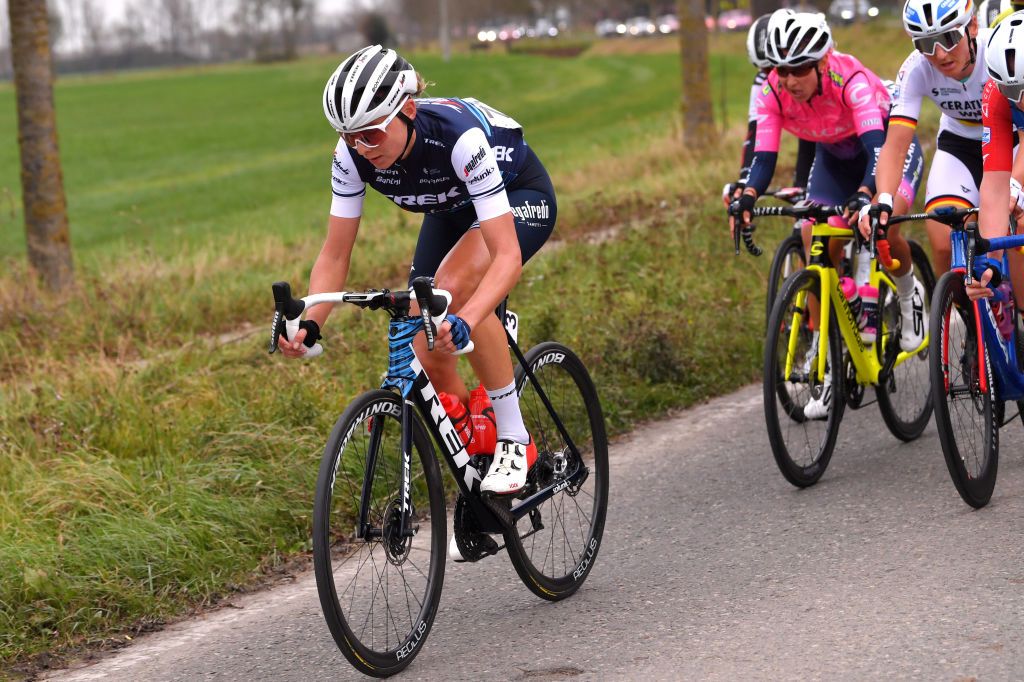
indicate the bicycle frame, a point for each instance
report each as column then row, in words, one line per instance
column 1009, row 381
column 865, row 360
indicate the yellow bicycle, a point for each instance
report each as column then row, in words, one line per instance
column 811, row 373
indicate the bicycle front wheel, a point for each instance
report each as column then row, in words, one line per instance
column 379, row 588
column 788, row 258
column 553, row 548
column 905, row 396
column 802, row 413
column 965, row 411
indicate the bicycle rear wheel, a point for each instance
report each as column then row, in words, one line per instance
column 553, row 548
column 788, row 258
column 965, row 414
column 905, row 396
column 802, row 446
column 378, row 591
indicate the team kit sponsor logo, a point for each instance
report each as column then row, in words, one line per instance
column 474, row 161
column 528, row 211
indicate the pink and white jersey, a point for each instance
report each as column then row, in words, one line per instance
column 853, row 101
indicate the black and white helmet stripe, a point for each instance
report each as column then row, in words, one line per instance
column 1004, row 54
column 370, row 84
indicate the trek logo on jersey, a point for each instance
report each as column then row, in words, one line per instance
column 503, row 153
column 424, row 199
column 474, row 161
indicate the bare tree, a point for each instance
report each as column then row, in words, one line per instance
column 178, row 24
column 698, row 124
column 42, row 184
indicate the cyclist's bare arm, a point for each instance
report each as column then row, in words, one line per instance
column 330, row 271
column 889, row 171
column 499, row 234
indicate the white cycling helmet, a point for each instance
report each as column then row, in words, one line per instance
column 1004, row 55
column 924, row 18
column 797, row 38
column 371, row 83
column 755, row 42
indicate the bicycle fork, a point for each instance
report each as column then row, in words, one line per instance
column 405, row 528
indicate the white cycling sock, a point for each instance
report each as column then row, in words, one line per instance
column 507, row 416
column 905, row 284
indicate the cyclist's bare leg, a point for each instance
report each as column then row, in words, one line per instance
column 1016, row 259
column 938, row 237
column 460, row 273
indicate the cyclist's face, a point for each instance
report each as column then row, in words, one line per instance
column 387, row 151
column 802, row 84
column 956, row 62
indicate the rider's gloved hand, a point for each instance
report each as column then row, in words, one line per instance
column 306, row 337
column 1016, row 200
column 452, row 335
column 880, row 211
column 988, row 274
column 731, row 191
column 740, row 211
column 854, row 203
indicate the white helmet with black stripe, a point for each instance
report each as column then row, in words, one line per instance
column 757, row 36
column 1004, row 55
column 797, row 38
column 371, row 83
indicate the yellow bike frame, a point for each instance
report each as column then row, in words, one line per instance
column 865, row 358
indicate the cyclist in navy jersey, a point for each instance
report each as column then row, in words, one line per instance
column 488, row 206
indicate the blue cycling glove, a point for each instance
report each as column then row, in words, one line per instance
column 983, row 263
column 460, row 331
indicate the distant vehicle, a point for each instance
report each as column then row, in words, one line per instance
column 668, row 23
column 847, row 11
column 639, row 27
column 606, row 28
column 735, row 20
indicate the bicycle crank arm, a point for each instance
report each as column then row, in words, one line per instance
column 533, row 501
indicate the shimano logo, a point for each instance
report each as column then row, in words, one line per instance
column 474, row 161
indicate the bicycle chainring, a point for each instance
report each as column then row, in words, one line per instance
column 854, row 389
column 473, row 544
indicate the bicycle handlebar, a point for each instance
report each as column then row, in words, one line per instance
column 433, row 304
column 801, row 209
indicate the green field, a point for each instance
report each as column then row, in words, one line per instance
column 153, row 457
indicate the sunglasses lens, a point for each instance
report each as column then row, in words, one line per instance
column 367, row 138
column 798, row 71
column 947, row 40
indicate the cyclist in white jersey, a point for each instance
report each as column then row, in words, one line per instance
column 946, row 67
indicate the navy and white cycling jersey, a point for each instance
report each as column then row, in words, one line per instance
column 465, row 151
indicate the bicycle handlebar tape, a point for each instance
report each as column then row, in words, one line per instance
column 748, row 241
column 885, row 256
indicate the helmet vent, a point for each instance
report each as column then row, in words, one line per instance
column 1011, row 63
column 927, row 13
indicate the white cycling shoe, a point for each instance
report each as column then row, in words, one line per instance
column 507, row 474
column 817, row 408
column 914, row 319
column 453, row 551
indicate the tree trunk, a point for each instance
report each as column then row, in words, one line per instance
column 42, row 185
column 698, row 124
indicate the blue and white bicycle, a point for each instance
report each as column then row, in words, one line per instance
column 379, row 519
column 976, row 366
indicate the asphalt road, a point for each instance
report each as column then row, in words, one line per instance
column 712, row 568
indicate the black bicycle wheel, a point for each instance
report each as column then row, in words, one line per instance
column 788, row 258
column 379, row 591
column 905, row 396
column 965, row 412
column 553, row 548
column 802, row 445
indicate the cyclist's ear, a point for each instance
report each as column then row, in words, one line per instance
column 409, row 108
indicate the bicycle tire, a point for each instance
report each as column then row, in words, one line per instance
column 378, row 643
column 905, row 419
column 789, row 254
column 556, row 559
column 818, row 437
column 964, row 414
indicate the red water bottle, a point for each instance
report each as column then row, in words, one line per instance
column 459, row 415
column 485, row 428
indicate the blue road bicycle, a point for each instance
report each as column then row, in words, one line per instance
column 976, row 369
column 379, row 518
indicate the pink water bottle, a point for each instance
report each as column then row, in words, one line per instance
column 869, row 313
column 852, row 296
